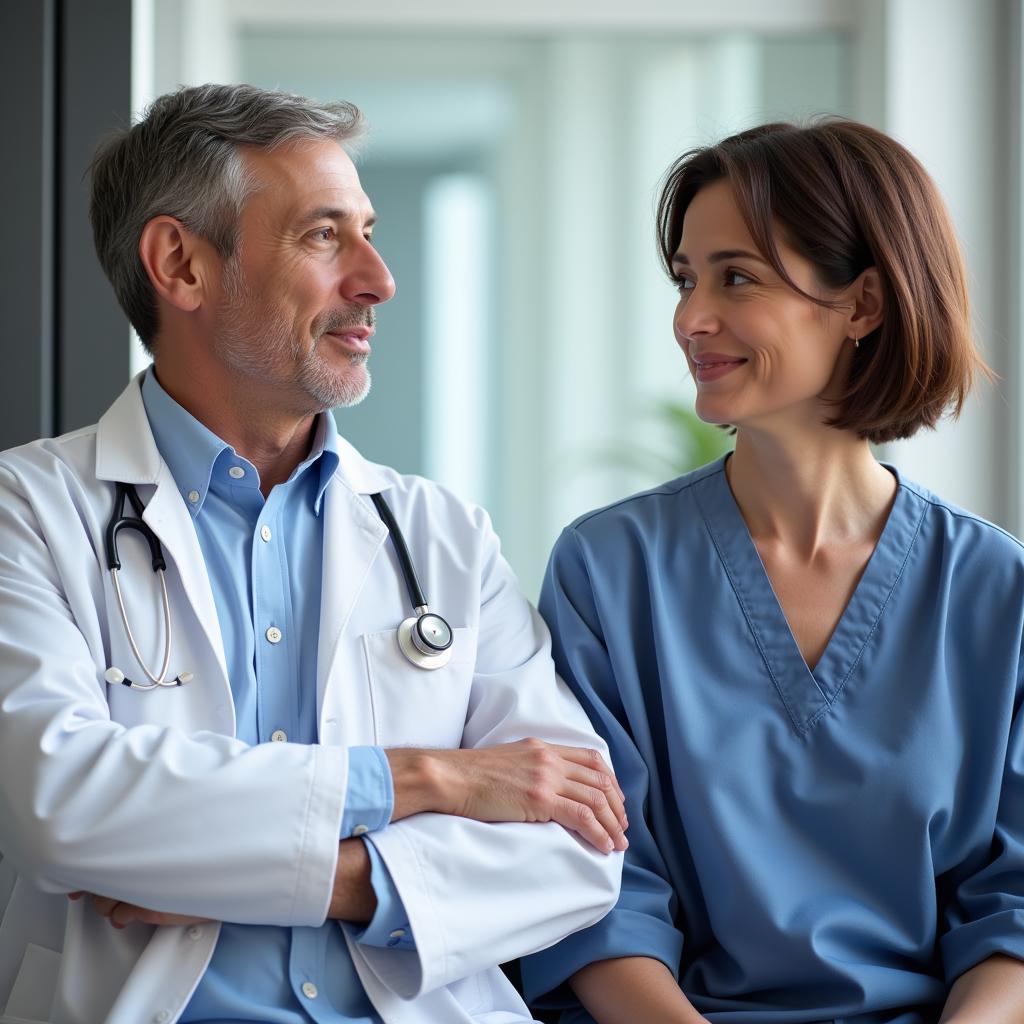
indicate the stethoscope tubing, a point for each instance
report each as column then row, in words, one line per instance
column 412, row 583
column 418, row 637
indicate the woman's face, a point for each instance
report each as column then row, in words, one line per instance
column 762, row 355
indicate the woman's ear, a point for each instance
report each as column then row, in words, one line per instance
column 176, row 261
column 867, row 304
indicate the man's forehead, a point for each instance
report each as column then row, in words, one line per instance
column 301, row 178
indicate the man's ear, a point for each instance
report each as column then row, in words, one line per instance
column 868, row 305
column 178, row 262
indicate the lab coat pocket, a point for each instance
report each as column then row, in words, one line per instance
column 32, row 995
column 415, row 707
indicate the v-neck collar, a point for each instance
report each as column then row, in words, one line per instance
column 807, row 695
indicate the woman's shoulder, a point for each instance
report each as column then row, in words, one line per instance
column 954, row 527
column 647, row 513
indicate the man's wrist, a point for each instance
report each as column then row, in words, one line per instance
column 419, row 781
column 353, row 898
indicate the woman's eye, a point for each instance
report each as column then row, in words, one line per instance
column 684, row 285
column 735, row 277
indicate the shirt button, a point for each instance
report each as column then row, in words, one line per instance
column 162, row 1017
column 193, row 932
column 237, row 472
column 309, row 990
column 360, row 830
column 265, row 533
column 398, row 933
column 274, row 635
column 279, row 735
column 193, row 496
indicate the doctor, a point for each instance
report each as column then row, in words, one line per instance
column 259, row 785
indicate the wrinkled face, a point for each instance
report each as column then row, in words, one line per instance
column 297, row 304
column 760, row 353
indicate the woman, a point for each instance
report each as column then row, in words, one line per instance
column 808, row 668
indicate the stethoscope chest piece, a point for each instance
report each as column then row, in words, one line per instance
column 426, row 640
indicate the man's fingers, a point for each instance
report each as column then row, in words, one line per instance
column 605, row 782
column 587, row 811
column 104, row 905
column 592, row 760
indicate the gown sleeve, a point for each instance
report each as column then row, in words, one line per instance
column 985, row 915
column 642, row 923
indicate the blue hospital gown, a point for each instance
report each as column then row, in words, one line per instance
column 835, row 846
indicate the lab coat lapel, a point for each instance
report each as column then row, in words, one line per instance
column 127, row 452
column 353, row 537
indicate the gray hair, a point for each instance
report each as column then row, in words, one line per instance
column 182, row 160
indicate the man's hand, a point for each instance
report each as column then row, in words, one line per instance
column 525, row 781
column 121, row 914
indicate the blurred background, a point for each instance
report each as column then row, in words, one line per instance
column 514, row 155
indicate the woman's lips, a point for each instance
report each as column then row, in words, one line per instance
column 709, row 366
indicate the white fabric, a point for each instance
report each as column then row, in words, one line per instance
column 147, row 797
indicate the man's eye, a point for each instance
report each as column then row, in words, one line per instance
column 323, row 234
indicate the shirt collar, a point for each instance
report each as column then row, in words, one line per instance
column 191, row 450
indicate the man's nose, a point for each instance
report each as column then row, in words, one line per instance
column 366, row 279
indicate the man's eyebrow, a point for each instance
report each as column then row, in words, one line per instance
column 718, row 257
column 333, row 213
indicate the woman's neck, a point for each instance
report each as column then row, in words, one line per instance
column 810, row 490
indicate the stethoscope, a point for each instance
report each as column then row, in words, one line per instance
column 425, row 638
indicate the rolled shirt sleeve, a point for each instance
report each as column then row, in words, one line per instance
column 389, row 927
column 642, row 923
column 370, row 796
column 986, row 914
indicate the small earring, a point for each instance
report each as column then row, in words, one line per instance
column 856, row 342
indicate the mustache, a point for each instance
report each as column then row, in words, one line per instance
column 337, row 320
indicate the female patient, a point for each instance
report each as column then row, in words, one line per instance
column 808, row 668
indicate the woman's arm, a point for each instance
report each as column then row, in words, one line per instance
column 632, row 988
column 990, row 993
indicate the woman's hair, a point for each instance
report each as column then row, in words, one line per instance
column 183, row 159
column 847, row 197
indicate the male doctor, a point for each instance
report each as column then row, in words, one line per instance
column 254, row 794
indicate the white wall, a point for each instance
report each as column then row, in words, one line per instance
column 945, row 100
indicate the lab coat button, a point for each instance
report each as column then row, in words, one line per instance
column 236, row 472
column 274, row 635
column 193, row 496
column 279, row 735
column 193, row 932
column 360, row 830
column 309, row 990
column 265, row 533
column 398, row 933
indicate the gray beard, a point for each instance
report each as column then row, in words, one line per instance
column 257, row 346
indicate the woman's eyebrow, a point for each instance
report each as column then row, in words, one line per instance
column 721, row 256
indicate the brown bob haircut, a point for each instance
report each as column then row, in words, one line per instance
column 847, row 197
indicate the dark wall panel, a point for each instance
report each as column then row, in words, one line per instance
column 27, row 79
column 65, row 70
column 95, row 97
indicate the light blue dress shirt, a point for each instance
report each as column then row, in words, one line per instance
column 265, row 562
column 834, row 846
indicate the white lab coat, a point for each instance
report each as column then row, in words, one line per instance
column 148, row 797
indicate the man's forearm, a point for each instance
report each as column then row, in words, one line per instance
column 353, row 898
column 528, row 780
column 990, row 993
